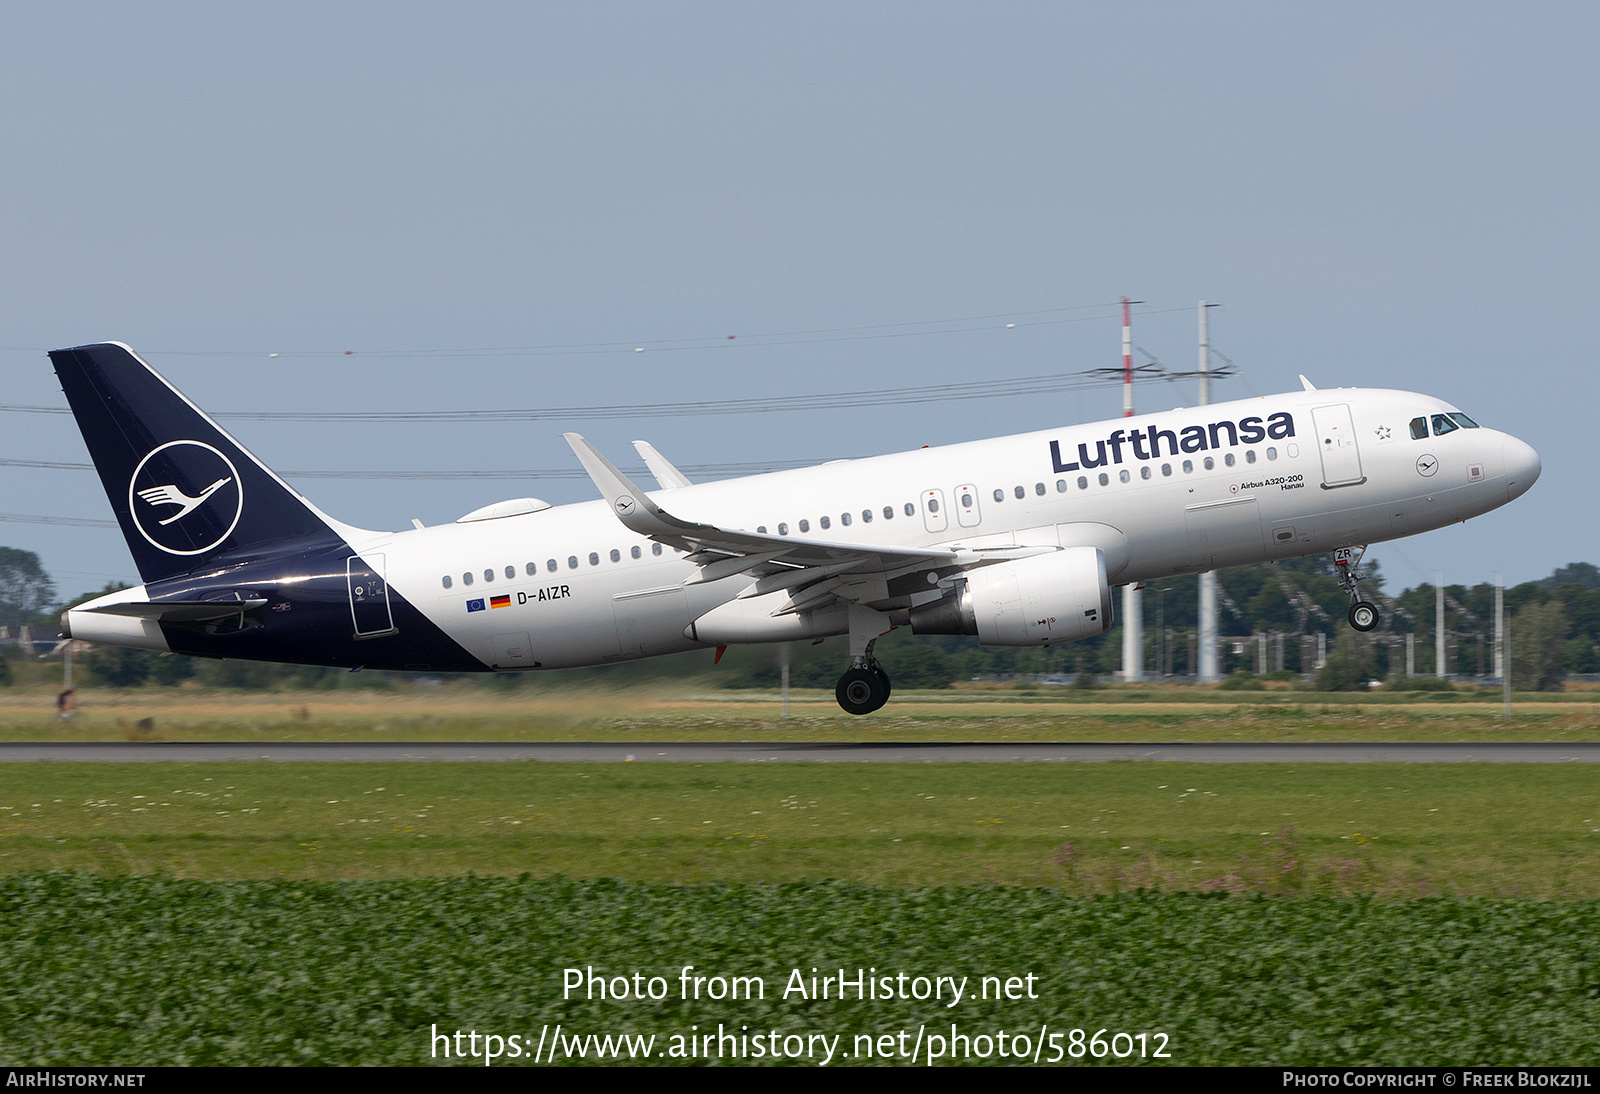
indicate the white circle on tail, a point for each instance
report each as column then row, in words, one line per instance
column 185, row 497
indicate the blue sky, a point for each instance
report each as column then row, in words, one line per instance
column 1377, row 195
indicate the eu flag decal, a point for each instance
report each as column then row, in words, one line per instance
column 474, row 605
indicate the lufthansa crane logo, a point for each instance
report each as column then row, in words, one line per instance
column 185, row 497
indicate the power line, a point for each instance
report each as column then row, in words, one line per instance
column 75, row 522
column 709, row 470
column 865, row 332
column 1054, row 383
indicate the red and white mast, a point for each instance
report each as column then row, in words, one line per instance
column 1132, row 606
column 1127, row 361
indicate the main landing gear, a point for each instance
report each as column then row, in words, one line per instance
column 864, row 687
column 1363, row 614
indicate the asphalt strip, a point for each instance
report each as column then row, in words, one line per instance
column 779, row 752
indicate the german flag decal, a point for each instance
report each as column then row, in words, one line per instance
column 500, row 602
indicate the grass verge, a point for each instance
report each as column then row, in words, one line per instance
column 1391, row 830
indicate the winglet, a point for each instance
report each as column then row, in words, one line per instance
column 1307, row 384
column 632, row 507
column 667, row 476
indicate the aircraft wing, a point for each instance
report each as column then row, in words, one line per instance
column 814, row 572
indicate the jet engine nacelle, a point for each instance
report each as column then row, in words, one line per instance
column 1039, row 601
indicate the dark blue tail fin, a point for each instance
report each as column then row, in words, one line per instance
column 185, row 493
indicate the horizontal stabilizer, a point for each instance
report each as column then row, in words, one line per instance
column 179, row 611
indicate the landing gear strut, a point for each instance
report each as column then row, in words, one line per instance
column 864, row 687
column 1363, row 613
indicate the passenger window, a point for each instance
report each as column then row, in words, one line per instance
column 466, row 578
column 1166, row 470
column 761, row 529
column 616, row 555
column 783, row 529
column 533, row 569
column 1442, row 425
column 1104, row 479
column 1210, row 464
column 1083, row 482
column 1250, row 455
column 594, row 558
column 1419, row 429
column 511, row 572
column 550, row 565
column 824, row 523
column 1038, row 488
column 866, row 516
column 1272, row 453
column 1228, row 459
column 655, row 548
column 966, row 501
column 1021, row 493
column 999, row 495
column 888, row 512
column 572, row 562
column 634, row 552
column 844, row 519
column 805, row 526
column 911, row 510
column 1144, row 472
column 488, row 575
column 1061, row 486
column 1123, row 474
column 446, row 581
column 1188, row 466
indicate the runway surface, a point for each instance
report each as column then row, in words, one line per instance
column 758, row 752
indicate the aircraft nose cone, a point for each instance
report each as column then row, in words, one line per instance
column 1522, row 466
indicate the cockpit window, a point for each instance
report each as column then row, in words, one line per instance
column 1462, row 420
column 1442, row 425
column 1419, row 429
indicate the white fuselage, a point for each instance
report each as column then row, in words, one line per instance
column 1288, row 475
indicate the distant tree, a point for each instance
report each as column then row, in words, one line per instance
column 1574, row 573
column 118, row 666
column 1349, row 666
column 25, row 589
column 1538, row 633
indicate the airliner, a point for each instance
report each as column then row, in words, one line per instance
column 1016, row 540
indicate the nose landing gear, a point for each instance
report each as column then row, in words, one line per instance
column 1363, row 614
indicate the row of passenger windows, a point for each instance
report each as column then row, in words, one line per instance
column 552, row 565
column 845, row 519
column 1208, row 463
column 888, row 511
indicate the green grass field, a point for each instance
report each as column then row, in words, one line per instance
column 1332, row 914
column 1339, row 829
